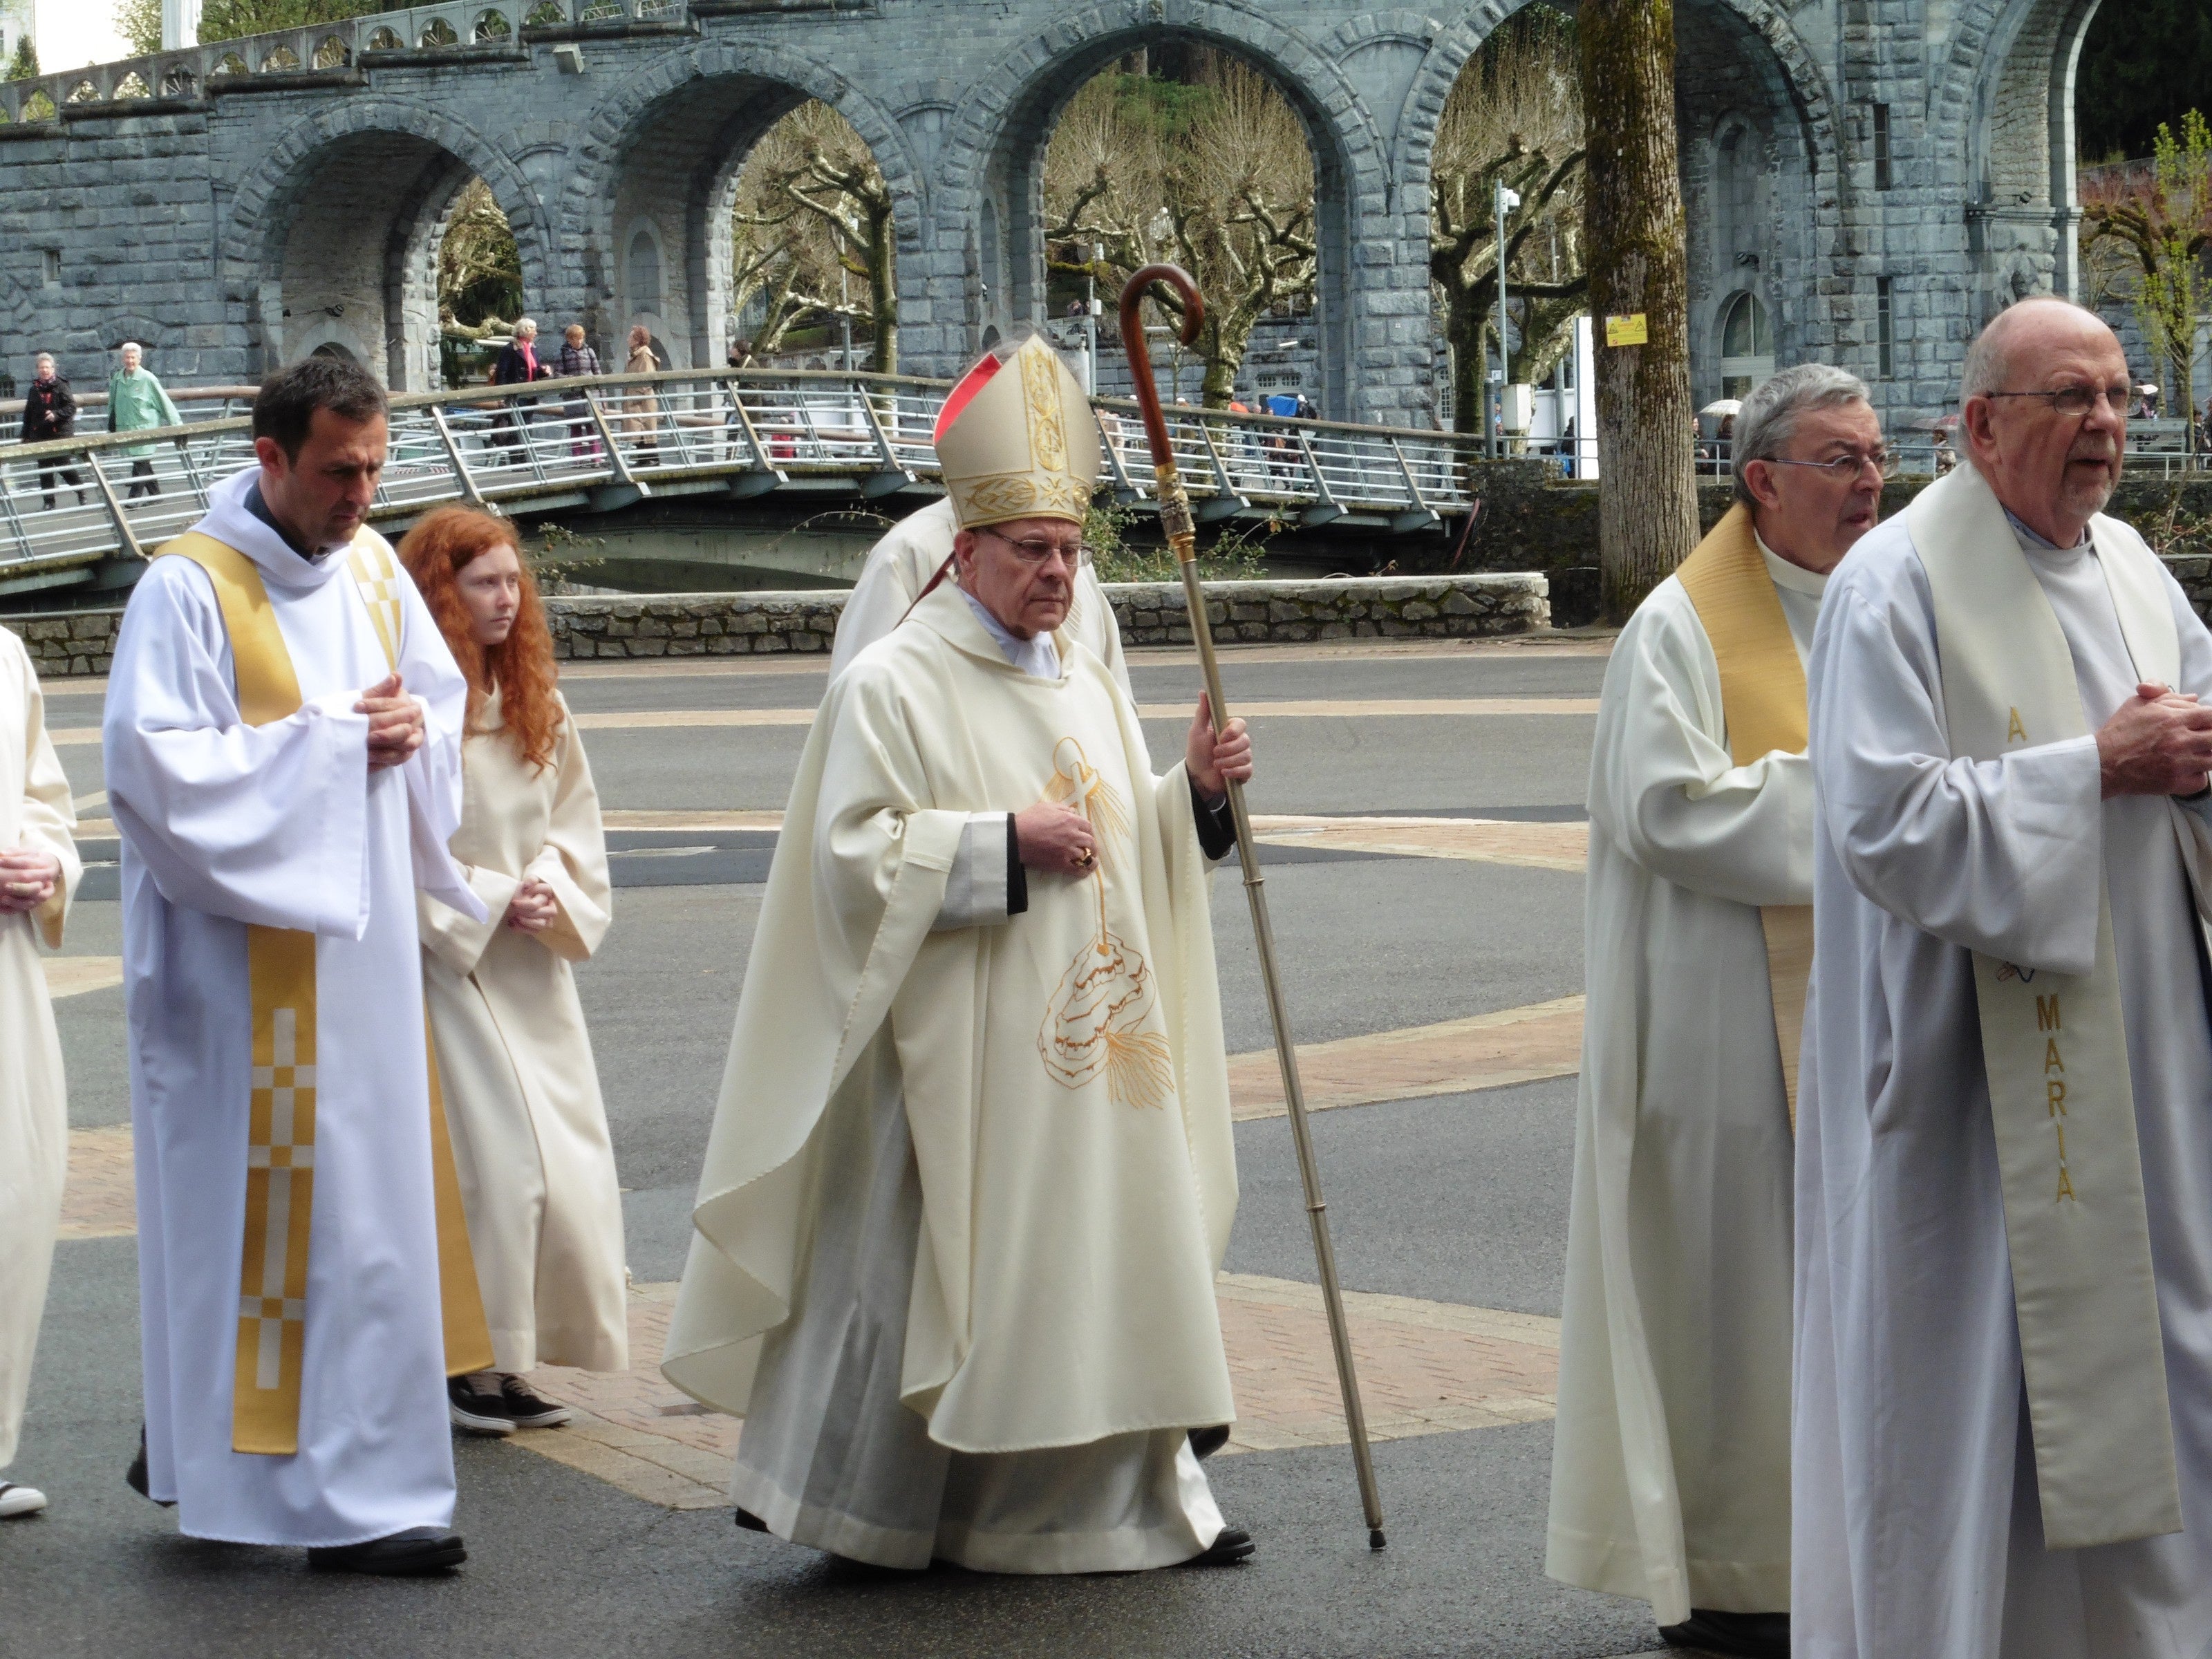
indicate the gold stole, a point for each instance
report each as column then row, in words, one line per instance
column 2054, row 1046
column 1763, row 703
column 280, row 1153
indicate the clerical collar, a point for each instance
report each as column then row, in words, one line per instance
column 1786, row 573
column 259, row 509
column 1036, row 656
column 2031, row 538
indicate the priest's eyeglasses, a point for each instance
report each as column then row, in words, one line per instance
column 2076, row 401
column 1037, row 553
column 1845, row 467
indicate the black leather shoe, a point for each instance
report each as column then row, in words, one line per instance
column 1737, row 1635
column 136, row 1478
column 1204, row 1443
column 1231, row 1545
column 417, row 1551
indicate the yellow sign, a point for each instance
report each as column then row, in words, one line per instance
column 1627, row 331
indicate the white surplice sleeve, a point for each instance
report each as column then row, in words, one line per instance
column 433, row 773
column 574, row 860
column 48, row 819
column 265, row 824
column 1664, row 786
column 2003, row 857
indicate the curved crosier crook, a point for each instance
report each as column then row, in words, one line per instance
column 1141, row 366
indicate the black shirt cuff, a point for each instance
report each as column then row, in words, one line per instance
column 1017, row 878
column 1216, row 827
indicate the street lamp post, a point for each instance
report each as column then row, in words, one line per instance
column 1506, row 201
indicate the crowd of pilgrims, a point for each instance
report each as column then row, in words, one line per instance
column 1888, row 1319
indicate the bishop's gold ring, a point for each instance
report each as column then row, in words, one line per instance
column 1086, row 858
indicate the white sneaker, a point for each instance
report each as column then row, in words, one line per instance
column 19, row 1500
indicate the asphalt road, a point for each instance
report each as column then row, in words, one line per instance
column 1460, row 1199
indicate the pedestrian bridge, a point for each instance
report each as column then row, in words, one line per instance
column 86, row 511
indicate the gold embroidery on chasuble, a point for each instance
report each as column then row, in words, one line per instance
column 1762, row 706
column 1097, row 1018
column 281, row 980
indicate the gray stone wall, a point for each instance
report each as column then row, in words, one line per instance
column 594, row 628
column 252, row 207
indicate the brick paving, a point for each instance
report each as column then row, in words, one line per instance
column 1486, row 1051
column 1424, row 1368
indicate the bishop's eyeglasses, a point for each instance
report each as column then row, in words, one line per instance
column 1037, row 553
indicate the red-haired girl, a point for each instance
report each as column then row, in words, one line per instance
column 530, row 1131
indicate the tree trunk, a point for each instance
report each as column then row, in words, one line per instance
column 882, row 284
column 1648, row 491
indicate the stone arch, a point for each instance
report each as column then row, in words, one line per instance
column 2007, row 104
column 1756, row 75
column 990, row 191
column 666, row 146
column 354, row 261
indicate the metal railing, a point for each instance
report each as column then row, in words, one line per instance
column 605, row 442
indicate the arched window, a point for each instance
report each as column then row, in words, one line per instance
column 1747, row 345
column 643, row 267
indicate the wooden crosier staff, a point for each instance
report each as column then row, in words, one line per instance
column 1183, row 537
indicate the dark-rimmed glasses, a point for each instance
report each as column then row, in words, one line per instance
column 2076, row 401
column 1844, row 467
column 1039, row 554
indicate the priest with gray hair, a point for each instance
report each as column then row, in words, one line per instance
column 2003, row 1431
column 1670, row 1480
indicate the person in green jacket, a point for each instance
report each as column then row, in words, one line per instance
column 135, row 401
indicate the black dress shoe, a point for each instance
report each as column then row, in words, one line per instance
column 1204, row 1443
column 417, row 1551
column 1230, row 1546
column 136, row 1478
column 1738, row 1635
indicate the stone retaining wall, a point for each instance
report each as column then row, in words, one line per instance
column 65, row 643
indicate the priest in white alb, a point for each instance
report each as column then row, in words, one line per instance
column 2002, row 1445
column 1670, row 1468
column 973, row 1173
column 911, row 556
column 39, row 871
column 283, row 734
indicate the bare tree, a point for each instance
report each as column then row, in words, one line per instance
column 1514, row 117
column 2150, row 228
column 1215, row 174
column 1638, row 267
column 813, row 233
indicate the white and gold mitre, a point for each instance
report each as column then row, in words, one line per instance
column 1016, row 440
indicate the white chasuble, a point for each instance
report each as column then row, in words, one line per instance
column 914, row 550
column 2002, row 1289
column 235, row 826
column 1056, row 1083
column 1670, row 1473
column 35, row 814
column 521, row 1089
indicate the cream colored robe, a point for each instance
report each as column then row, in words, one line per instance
column 910, row 553
column 1670, row 1471
column 530, row 1132
column 1062, row 1157
column 35, row 812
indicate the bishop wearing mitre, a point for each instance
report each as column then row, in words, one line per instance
column 1670, row 1473
column 972, row 1172
column 283, row 760
column 917, row 551
column 2003, row 1432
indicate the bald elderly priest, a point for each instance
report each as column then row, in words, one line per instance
column 2003, row 1440
column 1671, row 1468
column 972, row 1173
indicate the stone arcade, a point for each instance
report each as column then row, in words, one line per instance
column 1868, row 180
